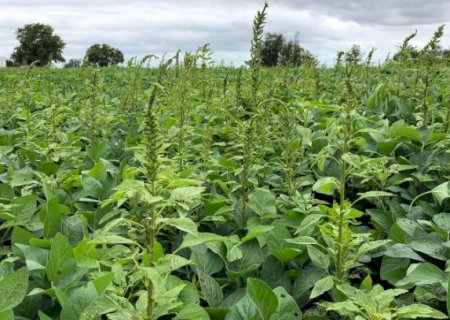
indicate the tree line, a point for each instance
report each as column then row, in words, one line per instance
column 39, row 45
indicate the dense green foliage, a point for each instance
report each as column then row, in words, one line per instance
column 194, row 191
column 103, row 55
column 73, row 63
column 277, row 50
column 37, row 43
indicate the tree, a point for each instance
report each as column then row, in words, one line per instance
column 446, row 53
column 103, row 55
column 11, row 64
column 37, row 42
column 73, row 63
column 293, row 54
column 272, row 45
column 276, row 50
column 354, row 55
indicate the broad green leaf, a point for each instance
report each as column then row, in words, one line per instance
column 287, row 307
column 244, row 309
column 183, row 224
column 206, row 260
column 186, row 194
column 386, row 146
column 192, row 312
column 263, row 296
column 373, row 194
column 21, row 179
column 306, row 280
column 129, row 189
column 13, row 289
column 49, row 168
column 305, row 134
column 52, row 223
column 302, row 240
column 423, row 274
column 217, row 313
column 326, row 185
column 7, row 315
column 344, row 306
column 441, row 192
column 233, row 251
column 98, row 171
column 102, row 238
column 274, row 273
column 252, row 258
column 358, row 296
column 371, row 245
column 211, row 290
column 414, row 311
column 61, row 260
column 35, row 258
column 400, row 250
column 75, row 228
column 431, row 247
column 352, row 159
column 191, row 240
column 78, row 301
column 262, row 201
column 97, row 148
column 92, row 187
column 322, row 286
column 190, row 292
column 85, row 254
column 256, row 231
column 401, row 130
column 442, row 220
column 318, row 258
column 99, row 307
column 308, row 224
column 102, row 282
column 24, row 207
column 157, row 254
column 367, row 283
column 20, row 235
column 213, row 206
column 393, row 269
column 61, row 296
column 285, row 255
column 171, row 262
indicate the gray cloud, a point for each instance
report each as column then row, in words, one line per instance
column 139, row 27
column 378, row 12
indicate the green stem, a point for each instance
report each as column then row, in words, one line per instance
column 339, row 255
column 151, row 254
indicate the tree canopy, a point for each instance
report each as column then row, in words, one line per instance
column 73, row 63
column 354, row 55
column 38, row 43
column 103, row 55
column 277, row 50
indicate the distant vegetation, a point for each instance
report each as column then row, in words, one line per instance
column 38, row 44
column 277, row 50
column 103, row 55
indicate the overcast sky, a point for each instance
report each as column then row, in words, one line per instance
column 139, row 27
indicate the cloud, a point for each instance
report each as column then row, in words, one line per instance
column 139, row 27
column 379, row 12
